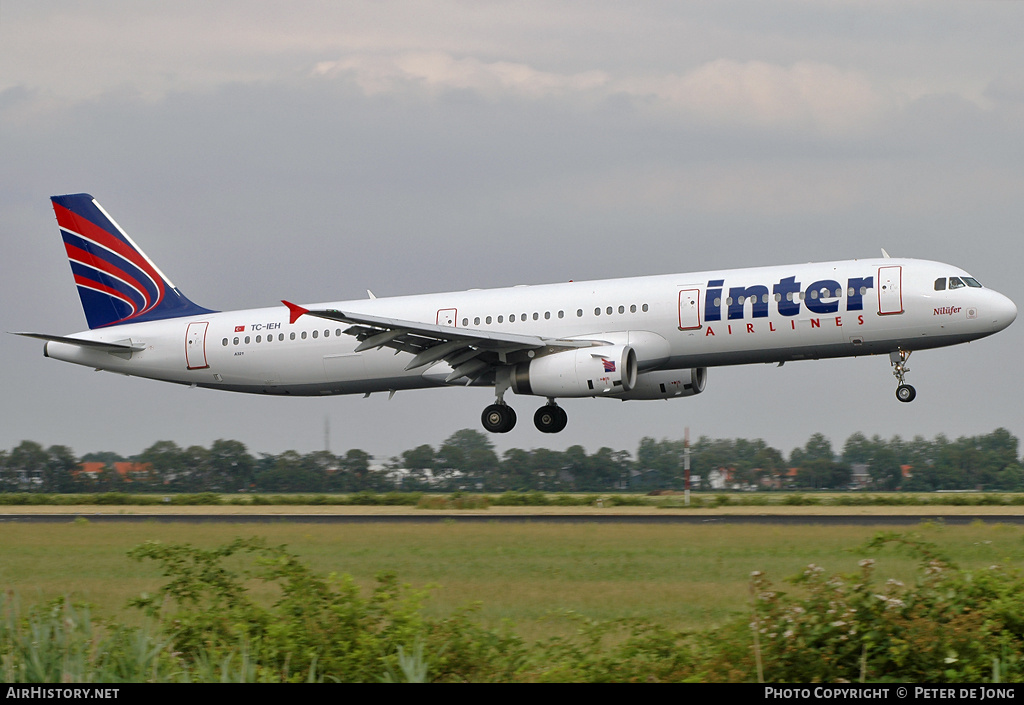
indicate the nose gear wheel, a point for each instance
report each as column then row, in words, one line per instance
column 898, row 360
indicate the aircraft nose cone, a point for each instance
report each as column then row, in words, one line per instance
column 1005, row 311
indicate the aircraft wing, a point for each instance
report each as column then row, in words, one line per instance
column 471, row 353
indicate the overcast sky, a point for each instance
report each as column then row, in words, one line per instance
column 313, row 150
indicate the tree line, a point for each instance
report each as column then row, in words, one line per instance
column 467, row 461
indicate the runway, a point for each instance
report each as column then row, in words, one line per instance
column 471, row 518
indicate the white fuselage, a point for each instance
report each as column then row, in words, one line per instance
column 676, row 321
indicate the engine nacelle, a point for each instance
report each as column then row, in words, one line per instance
column 667, row 384
column 584, row 372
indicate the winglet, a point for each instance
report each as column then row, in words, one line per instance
column 295, row 310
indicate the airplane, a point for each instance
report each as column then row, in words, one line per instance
column 641, row 338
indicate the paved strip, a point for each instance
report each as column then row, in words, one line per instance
column 804, row 519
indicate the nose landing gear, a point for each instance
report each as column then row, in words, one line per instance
column 898, row 360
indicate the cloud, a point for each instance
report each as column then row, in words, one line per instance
column 812, row 96
column 805, row 95
column 439, row 71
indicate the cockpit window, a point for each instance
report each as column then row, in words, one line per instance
column 972, row 282
column 940, row 284
column 955, row 283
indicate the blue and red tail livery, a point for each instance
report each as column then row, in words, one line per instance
column 116, row 281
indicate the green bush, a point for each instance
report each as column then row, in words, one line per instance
column 626, row 500
column 60, row 643
column 797, row 500
column 950, row 627
column 534, row 498
column 456, row 500
column 198, row 499
column 317, row 627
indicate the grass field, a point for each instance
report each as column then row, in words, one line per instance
column 681, row 576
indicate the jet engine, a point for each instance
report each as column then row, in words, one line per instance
column 583, row 372
column 666, row 384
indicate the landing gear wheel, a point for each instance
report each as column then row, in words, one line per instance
column 905, row 393
column 898, row 360
column 550, row 419
column 498, row 418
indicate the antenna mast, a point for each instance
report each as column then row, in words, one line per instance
column 686, row 466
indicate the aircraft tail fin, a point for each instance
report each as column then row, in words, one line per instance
column 116, row 281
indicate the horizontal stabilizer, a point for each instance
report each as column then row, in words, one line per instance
column 118, row 347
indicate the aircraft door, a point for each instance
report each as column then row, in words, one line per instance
column 689, row 309
column 890, row 295
column 195, row 346
column 447, row 317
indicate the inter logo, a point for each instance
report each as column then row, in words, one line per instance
column 788, row 295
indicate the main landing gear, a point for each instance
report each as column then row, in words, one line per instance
column 499, row 417
column 898, row 360
column 550, row 418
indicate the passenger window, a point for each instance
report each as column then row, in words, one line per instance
column 235, row 341
column 940, row 284
column 246, row 340
column 225, row 343
column 303, row 335
column 488, row 320
column 645, row 308
column 579, row 313
column 622, row 309
column 597, row 311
